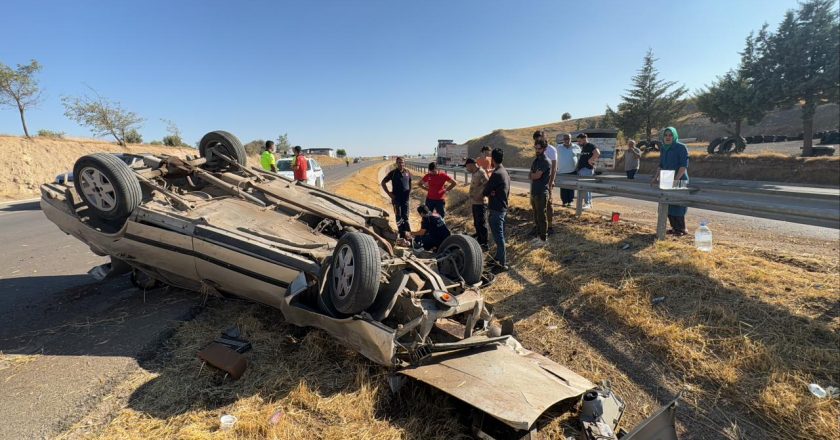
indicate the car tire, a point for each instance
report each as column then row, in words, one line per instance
column 354, row 274
column 467, row 255
column 713, row 145
column 222, row 142
column 107, row 186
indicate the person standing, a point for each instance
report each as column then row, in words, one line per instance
column 567, row 160
column 267, row 158
column 437, row 184
column 300, row 165
column 539, row 175
column 479, row 208
column 400, row 192
column 483, row 161
column 632, row 157
column 674, row 156
column 497, row 192
column 551, row 155
column 589, row 155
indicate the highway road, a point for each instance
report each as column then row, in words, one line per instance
column 88, row 335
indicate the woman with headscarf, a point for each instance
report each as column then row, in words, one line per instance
column 674, row 156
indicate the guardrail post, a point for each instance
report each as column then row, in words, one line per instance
column 579, row 203
column 661, row 217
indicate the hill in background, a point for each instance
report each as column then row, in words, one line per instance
column 517, row 142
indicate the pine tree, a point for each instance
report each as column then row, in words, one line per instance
column 799, row 64
column 650, row 103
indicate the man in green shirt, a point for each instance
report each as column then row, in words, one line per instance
column 267, row 159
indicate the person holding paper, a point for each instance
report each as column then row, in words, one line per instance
column 674, row 157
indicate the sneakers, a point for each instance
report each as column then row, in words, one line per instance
column 587, row 206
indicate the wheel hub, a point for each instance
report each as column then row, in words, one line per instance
column 343, row 269
column 98, row 189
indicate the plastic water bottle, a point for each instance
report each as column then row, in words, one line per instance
column 703, row 237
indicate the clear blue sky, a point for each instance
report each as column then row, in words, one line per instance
column 374, row 77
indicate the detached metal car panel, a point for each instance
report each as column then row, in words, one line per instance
column 213, row 225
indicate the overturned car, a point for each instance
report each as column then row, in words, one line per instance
column 214, row 225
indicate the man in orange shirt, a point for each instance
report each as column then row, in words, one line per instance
column 483, row 161
column 300, row 165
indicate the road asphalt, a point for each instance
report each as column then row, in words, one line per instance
column 65, row 339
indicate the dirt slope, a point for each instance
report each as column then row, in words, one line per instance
column 27, row 163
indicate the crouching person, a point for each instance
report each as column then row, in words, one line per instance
column 433, row 229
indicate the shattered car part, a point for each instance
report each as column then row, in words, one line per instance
column 214, row 225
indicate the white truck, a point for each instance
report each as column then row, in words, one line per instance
column 450, row 153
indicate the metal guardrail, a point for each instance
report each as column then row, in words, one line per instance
column 790, row 203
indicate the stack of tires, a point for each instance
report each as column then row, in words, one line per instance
column 830, row 137
column 648, row 146
column 727, row 145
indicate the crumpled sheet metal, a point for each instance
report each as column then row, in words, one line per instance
column 506, row 381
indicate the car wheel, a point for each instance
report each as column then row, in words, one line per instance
column 107, row 186
column 460, row 255
column 354, row 274
column 224, row 143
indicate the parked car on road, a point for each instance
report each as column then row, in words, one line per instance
column 314, row 177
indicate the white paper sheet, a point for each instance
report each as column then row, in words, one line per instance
column 666, row 179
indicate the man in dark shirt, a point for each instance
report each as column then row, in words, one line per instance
column 540, row 174
column 497, row 191
column 589, row 155
column 400, row 179
column 432, row 231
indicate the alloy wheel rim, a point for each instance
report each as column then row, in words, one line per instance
column 98, row 189
column 343, row 270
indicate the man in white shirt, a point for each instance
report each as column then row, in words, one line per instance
column 551, row 155
column 567, row 159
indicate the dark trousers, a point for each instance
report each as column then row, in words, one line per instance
column 479, row 213
column 497, row 227
column 538, row 204
column 631, row 174
column 401, row 212
column 677, row 223
column 567, row 195
column 437, row 205
column 549, row 210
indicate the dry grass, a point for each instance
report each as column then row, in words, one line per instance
column 13, row 360
column 742, row 332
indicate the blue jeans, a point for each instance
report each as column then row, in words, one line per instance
column 631, row 174
column 497, row 228
column 587, row 196
column 401, row 212
column 437, row 205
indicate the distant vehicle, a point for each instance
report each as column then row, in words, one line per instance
column 314, row 176
column 384, row 157
column 356, row 160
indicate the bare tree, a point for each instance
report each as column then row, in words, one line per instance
column 19, row 88
column 103, row 117
column 174, row 137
